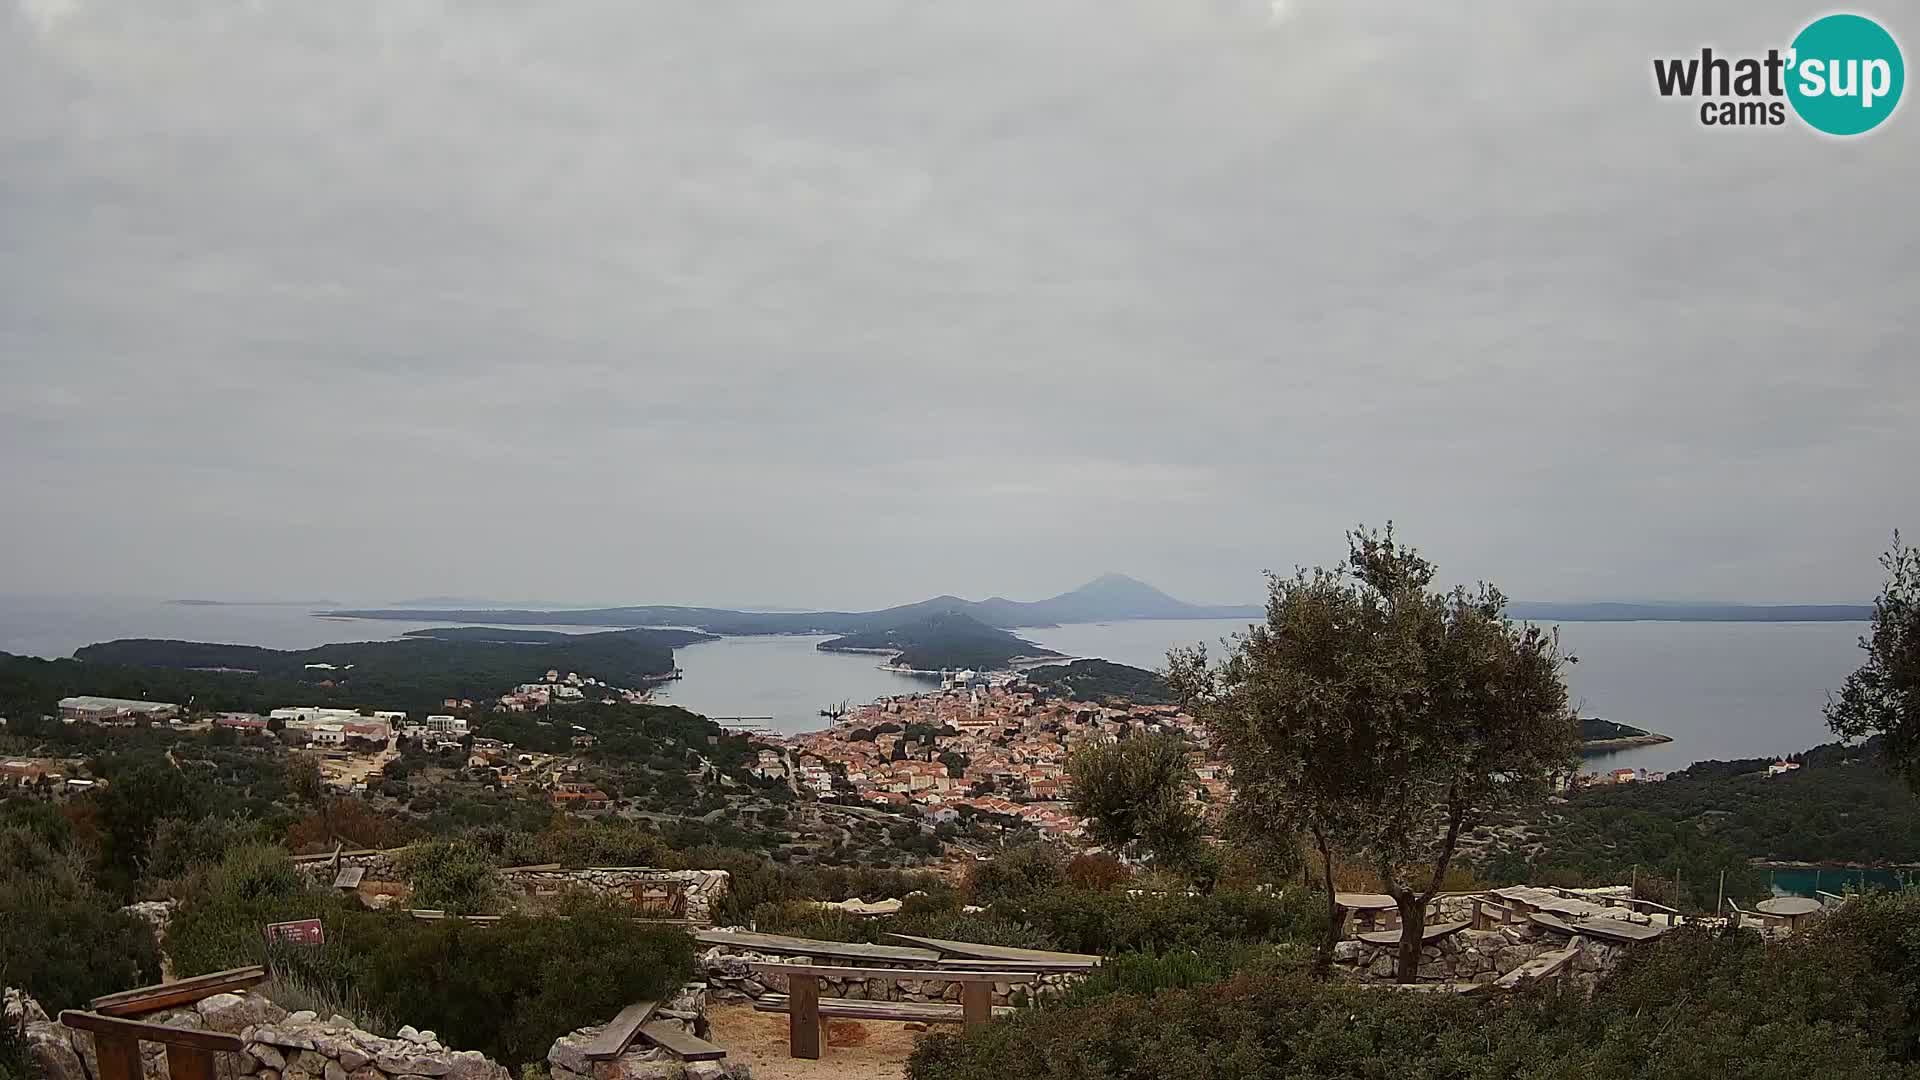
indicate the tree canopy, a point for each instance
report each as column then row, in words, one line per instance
column 1383, row 717
column 1134, row 795
column 1883, row 696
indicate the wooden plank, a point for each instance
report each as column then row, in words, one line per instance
column 614, row 1039
column 976, row 1004
column 114, row 1026
column 793, row 946
column 159, row 996
column 928, row 1012
column 117, row 1055
column 829, row 971
column 189, row 1063
column 973, row 951
column 803, row 1019
column 961, row 963
column 1430, row 933
column 674, row 1038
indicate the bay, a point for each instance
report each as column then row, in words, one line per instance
column 1720, row 690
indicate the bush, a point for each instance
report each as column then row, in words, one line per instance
column 455, row 876
column 1838, row 1000
column 1081, row 920
column 226, row 906
column 1098, row 872
column 65, row 941
column 1146, row 973
column 507, row 989
column 1016, row 874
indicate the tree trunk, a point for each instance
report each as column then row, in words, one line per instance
column 1413, row 923
column 1323, row 963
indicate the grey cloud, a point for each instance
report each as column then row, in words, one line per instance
column 853, row 302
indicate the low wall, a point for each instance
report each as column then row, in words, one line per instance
column 731, row 978
column 700, row 889
column 1476, row 956
column 280, row 1046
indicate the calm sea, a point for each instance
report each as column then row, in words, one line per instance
column 1721, row 690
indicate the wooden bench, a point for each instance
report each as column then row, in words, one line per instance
column 148, row 999
column 805, row 1009
column 116, row 1044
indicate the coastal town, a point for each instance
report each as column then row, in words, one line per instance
column 985, row 747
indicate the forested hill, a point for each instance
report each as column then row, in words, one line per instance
column 1101, row 680
column 948, row 640
column 412, row 673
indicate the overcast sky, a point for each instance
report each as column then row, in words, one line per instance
column 850, row 303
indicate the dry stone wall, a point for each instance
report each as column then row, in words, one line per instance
column 280, row 1046
column 731, row 979
column 701, row 889
column 1477, row 956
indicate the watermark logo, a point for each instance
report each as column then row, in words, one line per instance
column 1842, row 75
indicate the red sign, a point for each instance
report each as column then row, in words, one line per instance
column 300, row 932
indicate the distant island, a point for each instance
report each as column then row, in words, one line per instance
column 1110, row 597
column 948, row 640
column 1107, row 598
column 413, row 672
column 1597, row 734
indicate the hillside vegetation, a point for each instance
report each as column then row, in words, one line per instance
column 946, row 640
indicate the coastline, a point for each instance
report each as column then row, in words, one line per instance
column 1649, row 739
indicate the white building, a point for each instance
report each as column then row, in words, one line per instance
column 447, row 725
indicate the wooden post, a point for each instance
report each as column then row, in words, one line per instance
column 1720, row 902
column 803, row 1016
column 189, row 1062
column 119, row 1055
column 976, row 1003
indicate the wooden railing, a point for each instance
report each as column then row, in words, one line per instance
column 116, row 1044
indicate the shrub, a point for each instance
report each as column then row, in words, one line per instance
column 1098, row 872
column 1081, row 920
column 1015, row 874
column 508, row 989
column 65, row 941
column 455, row 876
column 226, row 905
column 1838, row 1000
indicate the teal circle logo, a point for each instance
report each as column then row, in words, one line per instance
column 1846, row 74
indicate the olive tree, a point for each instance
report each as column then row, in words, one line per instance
column 1134, row 794
column 1883, row 696
column 1383, row 718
